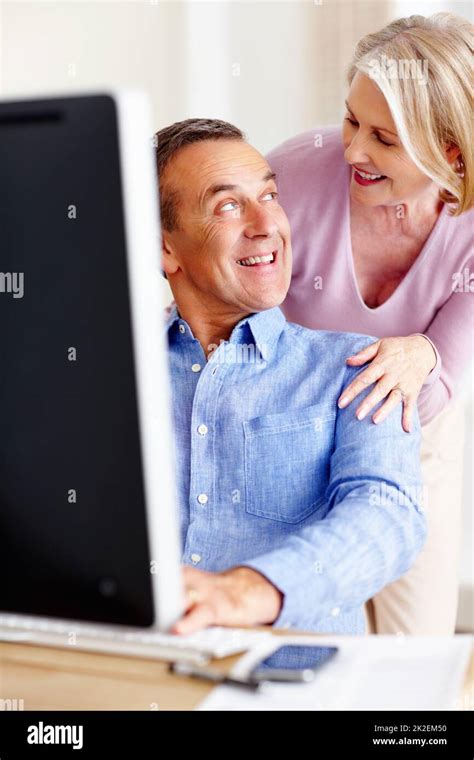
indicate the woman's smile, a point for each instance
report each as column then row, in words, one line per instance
column 366, row 178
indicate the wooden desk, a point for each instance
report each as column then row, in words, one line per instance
column 59, row 679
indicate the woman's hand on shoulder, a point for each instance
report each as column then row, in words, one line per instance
column 398, row 369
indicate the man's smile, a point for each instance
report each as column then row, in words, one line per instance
column 260, row 261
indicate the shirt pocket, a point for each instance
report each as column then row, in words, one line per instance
column 287, row 462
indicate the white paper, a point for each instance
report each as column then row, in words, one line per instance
column 368, row 673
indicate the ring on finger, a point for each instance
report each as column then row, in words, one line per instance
column 402, row 393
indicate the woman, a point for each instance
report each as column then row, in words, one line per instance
column 382, row 227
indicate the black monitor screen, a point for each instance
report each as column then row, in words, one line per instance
column 73, row 540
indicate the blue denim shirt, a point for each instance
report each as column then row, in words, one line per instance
column 273, row 476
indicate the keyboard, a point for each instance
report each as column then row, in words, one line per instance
column 198, row 648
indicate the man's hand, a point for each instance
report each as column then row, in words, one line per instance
column 238, row 597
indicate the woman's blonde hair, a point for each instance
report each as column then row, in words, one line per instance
column 423, row 67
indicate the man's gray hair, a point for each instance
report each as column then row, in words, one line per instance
column 169, row 140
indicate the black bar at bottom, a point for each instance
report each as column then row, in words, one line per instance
column 307, row 734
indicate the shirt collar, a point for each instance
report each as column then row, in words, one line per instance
column 171, row 315
column 265, row 327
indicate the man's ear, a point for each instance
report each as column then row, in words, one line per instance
column 168, row 256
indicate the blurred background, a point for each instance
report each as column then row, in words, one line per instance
column 272, row 67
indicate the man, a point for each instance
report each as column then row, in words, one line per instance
column 293, row 512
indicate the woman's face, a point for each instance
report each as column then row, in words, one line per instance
column 372, row 146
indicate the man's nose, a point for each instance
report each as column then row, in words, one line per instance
column 260, row 221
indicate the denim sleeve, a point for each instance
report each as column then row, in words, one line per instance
column 374, row 527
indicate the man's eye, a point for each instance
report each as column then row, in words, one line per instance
column 272, row 195
column 229, row 206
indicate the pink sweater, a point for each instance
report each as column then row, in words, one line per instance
column 435, row 298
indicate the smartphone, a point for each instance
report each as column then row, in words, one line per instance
column 292, row 662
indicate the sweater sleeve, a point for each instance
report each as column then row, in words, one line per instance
column 452, row 333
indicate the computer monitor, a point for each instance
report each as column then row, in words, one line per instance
column 88, row 514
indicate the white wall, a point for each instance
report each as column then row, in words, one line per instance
column 273, row 67
column 426, row 7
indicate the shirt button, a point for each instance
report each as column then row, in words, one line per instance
column 203, row 498
column 196, row 368
column 202, row 429
column 335, row 611
column 182, row 329
column 195, row 558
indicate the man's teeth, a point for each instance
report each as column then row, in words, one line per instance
column 256, row 260
column 364, row 175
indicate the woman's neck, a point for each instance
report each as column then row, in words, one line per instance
column 414, row 219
